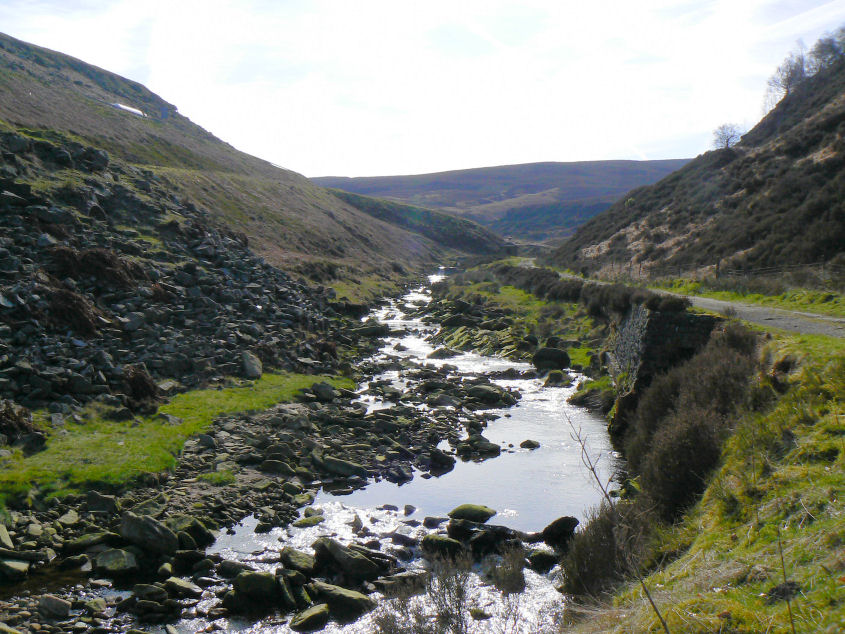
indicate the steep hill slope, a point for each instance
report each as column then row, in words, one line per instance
column 776, row 198
column 55, row 98
column 534, row 201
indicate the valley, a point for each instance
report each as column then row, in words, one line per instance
column 547, row 397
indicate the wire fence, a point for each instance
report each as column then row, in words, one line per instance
column 633, row 270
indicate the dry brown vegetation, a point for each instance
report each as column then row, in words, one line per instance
column 771, row 200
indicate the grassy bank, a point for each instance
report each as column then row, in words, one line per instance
column 823, row 302
column 527, row 315
column 111, row 453
column 769, row 524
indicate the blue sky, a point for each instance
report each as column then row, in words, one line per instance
column 370, row 87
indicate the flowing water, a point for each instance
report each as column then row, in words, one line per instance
column 528, row 488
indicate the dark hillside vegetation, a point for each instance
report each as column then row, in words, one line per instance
column 530, row 202
column 774, row 199
column 55, row 99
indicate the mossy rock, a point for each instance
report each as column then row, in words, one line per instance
column 311, row 620
column 442, row 547
column 472, row 512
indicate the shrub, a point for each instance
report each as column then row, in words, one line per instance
column 603, row 553
column 684, row 452
column 676, row 434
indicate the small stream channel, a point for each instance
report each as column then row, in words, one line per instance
column 528, row 488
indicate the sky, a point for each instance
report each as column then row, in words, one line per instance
column 381, row 87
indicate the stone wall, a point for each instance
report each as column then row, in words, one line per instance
column 646, row 343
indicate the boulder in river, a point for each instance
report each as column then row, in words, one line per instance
column 472, row 512
column 257, row 588
column 332, row 555
column 298, row 560
column 343, row 603
column 312, row 619
column 558, row 533
column 441, row 547
column 550, row 359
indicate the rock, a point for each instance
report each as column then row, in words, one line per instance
column 403, row 584
column 148, row 534
column 372, row 329
column 442, row 547
column 308, row 522
column 99, row 503
column 558, row 533
column 557, row 378
column 472, row 512
column 149, row 592
column 311, row 620
column 13, row 569
column 96, row 606
column 478, row 445
column 116, row 563
column 229, row 568
column 97, row 160
column 5, row 629
column 529, row 444
column 277, row 466
column 89, row 540
column 344, row 468
column 541, row 561
column 133, row 322
column 70, row 518
column 433, row 522
column 257, row 587
column 182, row 588
column 550, row 359
column 343, row 603
column 442, row 353
column 333, row 555
column 5, row 540
column 489, row 394
column 298, row 560
column 324, row 392
column 251, row 365
column 181, row 523
column 441, row 460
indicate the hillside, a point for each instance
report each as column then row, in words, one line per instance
column 773, row 199
column 530, row 202
column 51, row 97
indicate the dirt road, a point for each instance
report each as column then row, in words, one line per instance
column 805, row 323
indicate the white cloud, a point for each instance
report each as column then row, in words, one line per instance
column 382, row 87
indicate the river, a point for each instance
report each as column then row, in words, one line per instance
column 528, row 488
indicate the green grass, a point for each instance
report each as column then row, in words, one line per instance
column 364, row 289
column 780, row 485
column 113, row 453
column 530, row 315
column 799, row 299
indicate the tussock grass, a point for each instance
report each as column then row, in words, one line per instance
column 112, row 453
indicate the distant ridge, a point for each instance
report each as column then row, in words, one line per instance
column 529, row 202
